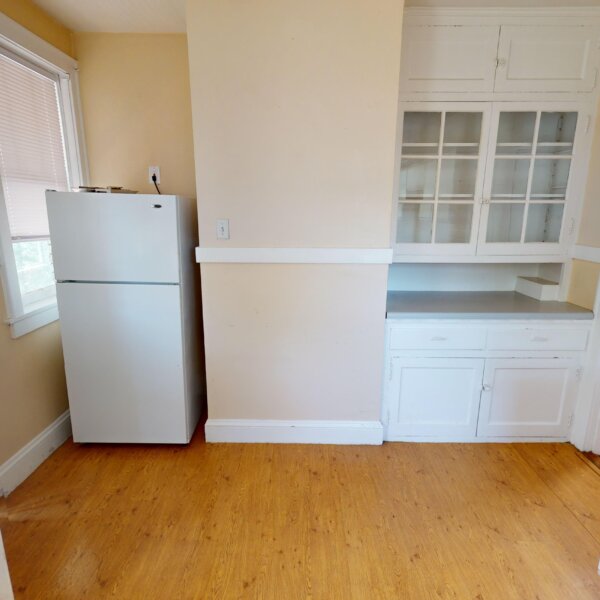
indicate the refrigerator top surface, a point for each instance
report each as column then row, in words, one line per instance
column 114, row 237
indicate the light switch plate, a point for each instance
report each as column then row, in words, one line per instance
column 222, row 229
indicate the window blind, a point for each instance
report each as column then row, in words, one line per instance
column 32, row 151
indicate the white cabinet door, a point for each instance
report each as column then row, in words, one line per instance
column 439, row 177
column 527, row 397
column 530, row 177
column 448, row 58
column 434, row 397
column 546, row 59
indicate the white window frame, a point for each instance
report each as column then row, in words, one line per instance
column 27, row 48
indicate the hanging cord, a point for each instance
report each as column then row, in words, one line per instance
column 155, row 184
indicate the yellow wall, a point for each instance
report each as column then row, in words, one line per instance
column 27, row 14
column 32, row 380
column 136, row 108
column 32, row 385
column 584, row 282
column 294, row 107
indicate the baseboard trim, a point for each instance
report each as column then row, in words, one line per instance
column 294, row 432
column 20, row 466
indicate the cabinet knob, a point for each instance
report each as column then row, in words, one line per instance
column 438, row 338
column 487, row 387
column 539, row 338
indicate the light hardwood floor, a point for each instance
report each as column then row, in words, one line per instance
column 324, row 522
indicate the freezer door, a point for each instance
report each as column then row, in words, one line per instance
column 113, row 237
column 124, row 362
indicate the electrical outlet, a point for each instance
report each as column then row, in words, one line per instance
column 153, row 171
column 222, row 229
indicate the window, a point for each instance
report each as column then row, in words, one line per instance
column 38, row 151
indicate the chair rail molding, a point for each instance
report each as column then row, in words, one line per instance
column 366, row 256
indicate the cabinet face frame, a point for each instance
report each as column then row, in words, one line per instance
column 574, row 191
column 440, row 248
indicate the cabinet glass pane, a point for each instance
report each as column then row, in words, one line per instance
column 462, row 133
column 544, row 222
column 415, row 223
column 557, row 133
column 515, row 133
column 510, row 178
column 457, row 179
column 550, row 178
column 453, row 223
column 505, row 223
column 417, row 178
column 421, row 132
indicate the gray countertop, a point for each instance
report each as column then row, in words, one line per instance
column 478, row 305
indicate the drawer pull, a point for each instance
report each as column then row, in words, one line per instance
column 438, row 338
column 539, row 338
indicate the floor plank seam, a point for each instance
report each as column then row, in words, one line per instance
column 582, row 523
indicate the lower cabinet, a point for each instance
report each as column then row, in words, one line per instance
column 434, row 396
column 481, row 394
column 527, row 397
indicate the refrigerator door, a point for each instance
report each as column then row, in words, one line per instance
column 124, row 362
column 114, row 237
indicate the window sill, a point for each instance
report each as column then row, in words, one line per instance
column 37, row 315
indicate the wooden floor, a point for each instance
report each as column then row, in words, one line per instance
column 281, row 522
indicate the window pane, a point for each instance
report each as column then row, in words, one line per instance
column 462, row 132
column 453, row 223
column 34, row 265
column 550, row 178
column 421, row 128
column 557, row 133
column 457, row 179
column 415, row 223
column 515, row 133
column 417, row 178
column 544, row 222
column 510, row 178
column 505, row 223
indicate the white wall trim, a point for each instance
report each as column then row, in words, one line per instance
column 20, row 466
column 588, row 253
column 294, row 432
column 382, row 256
column 6, row 592
column 502, row 12
column 17, row 38
column 33, row 320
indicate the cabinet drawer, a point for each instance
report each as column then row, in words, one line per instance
column 537, row 339
column 433, row 338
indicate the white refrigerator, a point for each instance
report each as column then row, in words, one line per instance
column 129, row 316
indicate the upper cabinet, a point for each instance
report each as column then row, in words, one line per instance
column 499, row 58
column 487, row 179
column 449, row 58
column 546, row 59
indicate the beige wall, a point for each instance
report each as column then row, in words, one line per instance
column 294, row 107
column 27, row 14
column 32, row 380
column 584, row 282
column 136, row 107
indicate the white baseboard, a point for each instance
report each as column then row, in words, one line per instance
column 294, row 432
column 20, row 466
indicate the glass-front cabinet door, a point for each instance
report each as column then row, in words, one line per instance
column 439, row 178
column 527, row 181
